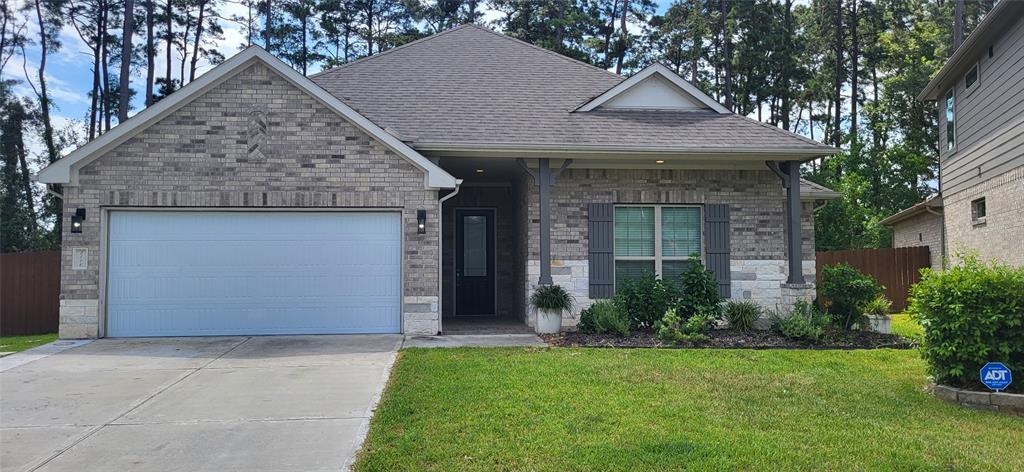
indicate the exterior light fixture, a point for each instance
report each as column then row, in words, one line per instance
column 479, row 171
column 659, row 161
column 77, row 220
column 421, row 221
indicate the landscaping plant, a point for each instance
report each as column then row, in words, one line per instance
column 645, row 299
column 742, row 315
column 698, row 289
column 880, row 306
column 552, row 297
column 972, row 313
column 674, row 329
column 603, row 317
column 804, row 323
column 848, row 292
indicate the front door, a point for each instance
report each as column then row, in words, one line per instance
column 474, row 262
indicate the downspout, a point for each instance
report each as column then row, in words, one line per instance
column 440, row 251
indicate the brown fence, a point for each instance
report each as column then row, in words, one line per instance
column 897, row 268
column 29, row 292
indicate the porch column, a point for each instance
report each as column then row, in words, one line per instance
column 796, row 258
column 544, row 183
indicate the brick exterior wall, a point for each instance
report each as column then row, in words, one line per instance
column 999, row 237
column 198, row 157
column 757, row 231
column 924, row 229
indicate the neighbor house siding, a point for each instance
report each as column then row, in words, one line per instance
column 198, row 157
column 1000, row 237
column 756, row 201
column 923, row 229
column 989, row 117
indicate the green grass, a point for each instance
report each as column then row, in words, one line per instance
column 903, row 325
column 646, row 409
column 21, row 343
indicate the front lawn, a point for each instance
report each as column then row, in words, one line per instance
column 21, row 343
column 905, row 326
column 647, row 409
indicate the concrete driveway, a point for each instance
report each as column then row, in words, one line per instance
column 194, row 404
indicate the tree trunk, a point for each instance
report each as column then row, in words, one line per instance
column 622, row 36
column 726, row 52
column 958, row 24
column 267, row 26
column 854, row 58
column 126, row 59
column 150, row 53
column 788, row 67
column 169, row 39
column 305, row 48
column 26, row 183
column 837, row 138
column 613, row 15
column 44, row 96
column 94, row 100
column 195, row 43
column 104, row 64
column 184, row 45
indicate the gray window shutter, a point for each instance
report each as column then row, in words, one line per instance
column 601, row 249
column 716, row 230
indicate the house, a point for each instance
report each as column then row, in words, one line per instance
column 980, row 96
column 437, row 182
column 920, row 225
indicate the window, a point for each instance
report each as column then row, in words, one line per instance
column 990, row 53
column 655, row 239
column 978, row 210
column 972, row 76
column 950, row 121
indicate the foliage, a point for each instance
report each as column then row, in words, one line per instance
column 905, row 326
column 645, row 299
column 804, row 323
column 972, row 313
column 604, row 317
column 742, row 315
column 674, row 330
column 878, row 306
column 698, row 289
column 848, row 291
column 552, row 297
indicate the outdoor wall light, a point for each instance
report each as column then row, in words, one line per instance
column 77, row 219
column 421, row 221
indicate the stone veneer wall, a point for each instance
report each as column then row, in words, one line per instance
column 999, row 237
column 924, row 229
column 757, row 212
column 198, row 157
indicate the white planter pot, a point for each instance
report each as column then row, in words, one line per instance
column 548, row 321
column 880, row 324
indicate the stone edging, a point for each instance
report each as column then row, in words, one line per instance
column 1010, row 403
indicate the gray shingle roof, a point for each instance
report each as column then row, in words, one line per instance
column 471, row 86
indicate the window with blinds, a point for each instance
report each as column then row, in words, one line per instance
column 658, row 239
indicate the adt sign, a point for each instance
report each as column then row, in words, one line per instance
column 996, row 376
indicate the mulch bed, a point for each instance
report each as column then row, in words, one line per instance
column 731, row 339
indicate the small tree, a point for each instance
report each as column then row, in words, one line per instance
column 699, row 290
column 848, row 292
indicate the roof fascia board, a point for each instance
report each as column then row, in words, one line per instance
column 650, row 70
column 65, row 169
column 598, row 151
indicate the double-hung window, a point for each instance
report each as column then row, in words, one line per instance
column 657, row 239
column 950, row 121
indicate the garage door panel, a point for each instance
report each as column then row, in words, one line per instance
column 219, row 273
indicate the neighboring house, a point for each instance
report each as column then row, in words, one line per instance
column 980, row 95
column 920, row 225
column 440, row 180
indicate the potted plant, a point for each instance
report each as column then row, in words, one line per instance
column 550, row 301
column 877, row 311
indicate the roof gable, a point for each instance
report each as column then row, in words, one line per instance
column 65, row 170
column 655, row 87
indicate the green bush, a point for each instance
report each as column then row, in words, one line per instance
column 698, row 290
column 972, row 313
column 742, row 315
column 552, row 297
column 673, row 329
column 880, row 306
column 604, row 317
column 848, row 291
column 645, row 300
column 804, row 323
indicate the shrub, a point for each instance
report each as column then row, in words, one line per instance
column 699, row 290
column 880, row 306
column 972, row 313
column 804, row 323
column 604, row 317
column 552, row 297
column 848, row 291
column 742, row 315
column 644, row 300
column 673, row 329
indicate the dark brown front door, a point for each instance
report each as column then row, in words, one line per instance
column 474, row 262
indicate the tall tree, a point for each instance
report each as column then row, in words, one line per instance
column 127, row 31
column 150, row 50
column 854, row 60
column 48, row 18
column 837, row 136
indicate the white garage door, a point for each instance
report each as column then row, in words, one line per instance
column 203, row 273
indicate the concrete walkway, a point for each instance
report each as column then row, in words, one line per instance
column 193, row 404
column 475, row 340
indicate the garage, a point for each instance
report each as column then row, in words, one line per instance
column 207, row 273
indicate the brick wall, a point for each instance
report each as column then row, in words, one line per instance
column 198, row 157
column 999, row 237
column 924, row 229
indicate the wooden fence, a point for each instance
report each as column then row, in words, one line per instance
column 897, row 269
column 29, row 292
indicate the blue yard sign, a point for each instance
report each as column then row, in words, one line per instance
column 996, row 376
